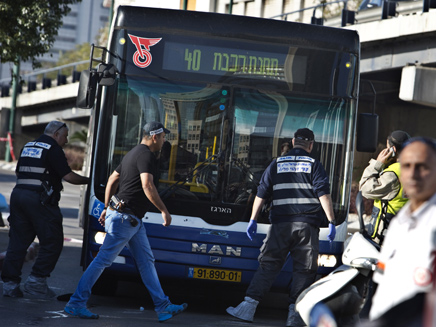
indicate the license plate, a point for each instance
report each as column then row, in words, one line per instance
column 215, row 274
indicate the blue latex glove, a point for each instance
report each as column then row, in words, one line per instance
column 320, row 315
column 251, row 228
column 332, row 232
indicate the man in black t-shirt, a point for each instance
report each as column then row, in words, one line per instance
column 135, row 179
column 141, row 159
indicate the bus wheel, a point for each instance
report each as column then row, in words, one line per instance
column 105, row 286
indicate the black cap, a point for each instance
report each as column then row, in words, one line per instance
column 398, row 138
column 154, row 127
column 304, row 134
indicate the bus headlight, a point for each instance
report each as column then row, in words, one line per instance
column 99, row 237
column 327, row 260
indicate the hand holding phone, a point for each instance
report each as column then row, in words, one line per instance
column 386, row 155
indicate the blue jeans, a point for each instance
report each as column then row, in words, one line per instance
column 119, row 233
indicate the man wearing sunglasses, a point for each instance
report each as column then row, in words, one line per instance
column 35, row 211
column 130, row 191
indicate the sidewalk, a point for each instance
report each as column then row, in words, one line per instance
column 8, row 165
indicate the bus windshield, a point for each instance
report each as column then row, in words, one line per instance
column 223, row 137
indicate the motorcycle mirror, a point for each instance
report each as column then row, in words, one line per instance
column 366, row 263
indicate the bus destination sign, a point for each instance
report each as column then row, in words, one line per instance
column 222, row 61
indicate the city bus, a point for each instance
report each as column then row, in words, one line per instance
column 231, row 89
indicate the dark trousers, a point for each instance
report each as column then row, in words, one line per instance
column 299, row 239
column 29, row 218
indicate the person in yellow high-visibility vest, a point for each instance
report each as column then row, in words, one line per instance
column 380, row 182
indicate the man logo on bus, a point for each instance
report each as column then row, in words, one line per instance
column 142, row 57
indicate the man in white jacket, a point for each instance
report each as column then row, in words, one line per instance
column 405, row 269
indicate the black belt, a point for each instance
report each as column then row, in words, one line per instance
column 133, row 221
column 125, row 210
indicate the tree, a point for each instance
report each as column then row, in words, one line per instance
column 79, row 136
column 27, row 31
column 28, row 28
column 79, row 53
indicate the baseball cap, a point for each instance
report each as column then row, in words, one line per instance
column 304, row 134
column 154, row 127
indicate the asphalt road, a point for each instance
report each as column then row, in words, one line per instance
column 131, row 305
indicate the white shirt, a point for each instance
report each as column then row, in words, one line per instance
column 407, row 257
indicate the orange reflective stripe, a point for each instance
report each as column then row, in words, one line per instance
column 380, row 266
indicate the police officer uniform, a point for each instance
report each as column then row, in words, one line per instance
column 296, row 182
column 35, row 210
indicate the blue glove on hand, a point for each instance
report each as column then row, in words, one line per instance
column 332, row 232
column 251, row 228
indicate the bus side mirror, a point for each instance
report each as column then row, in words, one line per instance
column 87, row 88
column 367, row 132
column 107, row 74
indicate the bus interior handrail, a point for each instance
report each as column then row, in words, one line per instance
column 183, row 180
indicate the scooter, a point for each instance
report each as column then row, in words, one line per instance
column 338, row 298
